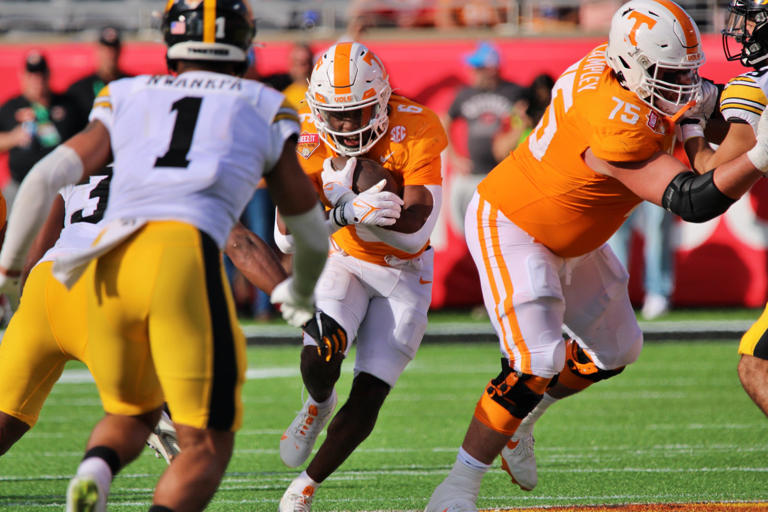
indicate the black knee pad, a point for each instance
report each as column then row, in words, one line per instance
column 582, row 365
column 509, row 390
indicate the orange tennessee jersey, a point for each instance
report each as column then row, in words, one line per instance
column 545, row 187
column 410, row 150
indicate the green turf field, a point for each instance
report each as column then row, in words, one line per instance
column 674, row 427
column 478, row 315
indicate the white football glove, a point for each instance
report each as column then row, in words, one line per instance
column 372, row 207
column 337, row 184
column 11, row 288
column 694, row 120
column 296, row 310
column 758, row 155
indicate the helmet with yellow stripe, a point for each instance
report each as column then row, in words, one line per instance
column 747, row 24
column 348, row 95
column 654, row 47
column 208, row 30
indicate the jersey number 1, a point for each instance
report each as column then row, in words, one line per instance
column 187, row 109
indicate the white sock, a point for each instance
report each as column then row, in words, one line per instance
column 471, row 462
column 326, row 403
column 302, row 481
column 466, row 474
column 98, row 469
column 526, row 426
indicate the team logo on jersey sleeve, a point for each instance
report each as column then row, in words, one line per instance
column 308, row 143
column 397, row 133
column 655, row 123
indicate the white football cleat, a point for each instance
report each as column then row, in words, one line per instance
column 163, row 439
column 297, row 501
column 448, row 498
column 654, row 306
column 84, row 495
column 519, row 461
column 299, row 438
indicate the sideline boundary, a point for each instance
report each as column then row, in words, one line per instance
column 461, row 332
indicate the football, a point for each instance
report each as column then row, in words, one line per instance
column 368, row 173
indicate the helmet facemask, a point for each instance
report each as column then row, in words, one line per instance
column 353, row 142
column 348, row 96
column 671, row 88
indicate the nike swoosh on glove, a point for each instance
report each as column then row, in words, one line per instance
column 374, row 207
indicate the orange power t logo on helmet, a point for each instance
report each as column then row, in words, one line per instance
column 639, row 19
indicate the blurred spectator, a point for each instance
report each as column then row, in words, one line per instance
column 484, row 105
column 33, row 123
column 299, row 67
column 539, row 97
column 514, row 128
column 523, row 117
column 655, row 224
column 108, row 50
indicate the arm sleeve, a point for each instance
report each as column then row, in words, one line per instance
column 33, row 201
column 310, row 236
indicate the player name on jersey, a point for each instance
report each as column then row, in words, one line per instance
column 219, row 83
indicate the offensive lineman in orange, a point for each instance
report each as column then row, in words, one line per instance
column 377, row 282
column 538, row 223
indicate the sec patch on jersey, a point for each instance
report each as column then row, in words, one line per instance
column 368, row 173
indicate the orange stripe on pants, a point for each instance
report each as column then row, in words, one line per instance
column 491, row 250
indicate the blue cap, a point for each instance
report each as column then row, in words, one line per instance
column 485, row 56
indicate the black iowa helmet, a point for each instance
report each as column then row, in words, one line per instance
column 208, row 30
column 747, row 25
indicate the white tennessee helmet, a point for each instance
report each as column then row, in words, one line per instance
column 349, row 82
column 654, row 47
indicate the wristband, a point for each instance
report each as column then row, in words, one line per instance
column 758, row 155
column 691, row 130
column 338, row 217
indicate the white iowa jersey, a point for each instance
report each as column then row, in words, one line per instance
column 84, row 206
column 191, row 148
column 744, row 97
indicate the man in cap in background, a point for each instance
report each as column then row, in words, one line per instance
column 108, row 52
column 33, row 123
column 484, row 105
